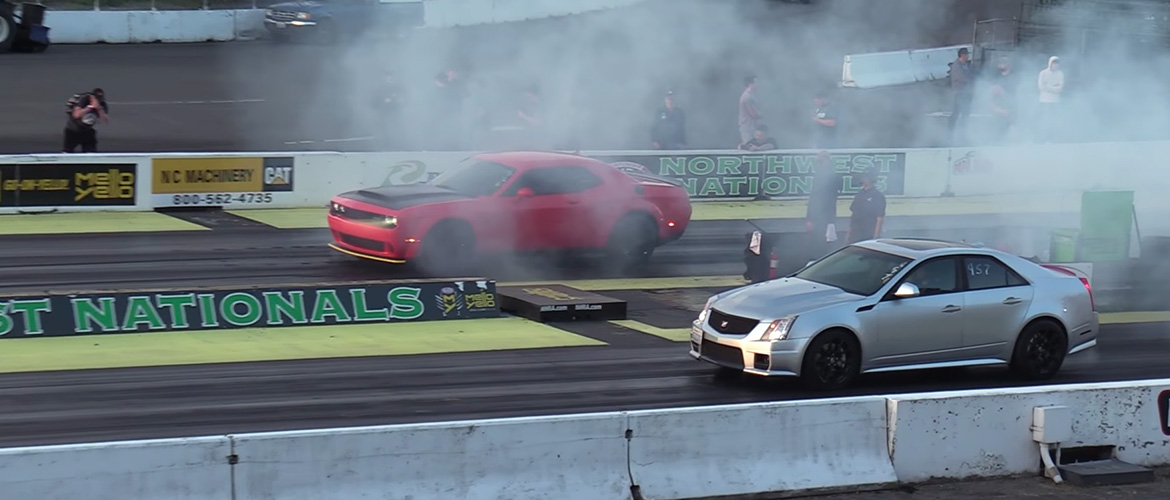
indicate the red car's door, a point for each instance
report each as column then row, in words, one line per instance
column 552, row 207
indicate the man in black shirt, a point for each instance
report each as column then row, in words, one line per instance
column 760, row 141
column 869, row 210
column 84, row 110
column 670, row 126
column 822, row 206
column 824, row 122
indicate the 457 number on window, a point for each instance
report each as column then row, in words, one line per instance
column 222, row 198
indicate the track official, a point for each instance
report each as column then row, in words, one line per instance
column 868, row 211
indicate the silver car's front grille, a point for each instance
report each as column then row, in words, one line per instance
column 282, row 16
column 722, row 354
column 728, row 324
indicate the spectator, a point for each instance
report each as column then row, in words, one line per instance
column 825, row 122
column 868, row 210
column 1051, row 84
column 760, row 141
column 84, row 110
column 821, row 217
column 962, row 80
column 1004, row 89
column 749, row 111
column 531, row 115
column 670, row 129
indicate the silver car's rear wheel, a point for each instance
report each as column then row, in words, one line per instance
column 832, row 361
column 1040, row 350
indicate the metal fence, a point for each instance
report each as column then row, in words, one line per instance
column 119, row 5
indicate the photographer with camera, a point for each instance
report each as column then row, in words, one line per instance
column 84, row 110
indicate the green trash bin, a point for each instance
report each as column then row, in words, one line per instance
column 1063, row 246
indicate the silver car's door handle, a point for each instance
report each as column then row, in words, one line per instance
column 951, row 309
column 1011, row 301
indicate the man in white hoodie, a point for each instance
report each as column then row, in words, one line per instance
column 1050, row 84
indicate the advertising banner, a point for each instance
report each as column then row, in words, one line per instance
column 221, row 181
column 779, row 174
column 273, row 307
column 68, row 185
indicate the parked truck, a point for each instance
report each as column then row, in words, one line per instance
column 333, row 20
column 24, row 32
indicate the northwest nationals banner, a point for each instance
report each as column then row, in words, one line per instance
column 274, row 307
column 222, row 181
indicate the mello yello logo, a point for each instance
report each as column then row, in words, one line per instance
column 212, row 310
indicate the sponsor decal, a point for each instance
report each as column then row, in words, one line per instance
column 1164, row 411
column 220, row 181
column 464, row 298
column 68, row 185
column 408, row 172
column 972, row 163
column 132, row 312
column 550, row 293
column 748, row 175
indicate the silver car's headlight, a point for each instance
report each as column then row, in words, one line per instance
column 268, row 12
column 304, row 15
column 779, row 329
column 706, row 310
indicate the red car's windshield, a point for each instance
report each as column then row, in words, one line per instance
column 474, row 178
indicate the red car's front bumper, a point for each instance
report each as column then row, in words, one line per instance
column 370, row 241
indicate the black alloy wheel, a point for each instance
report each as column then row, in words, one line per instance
column 832, row 361
column 1040, row 350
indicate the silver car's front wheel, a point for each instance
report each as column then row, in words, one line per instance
column 832, row 361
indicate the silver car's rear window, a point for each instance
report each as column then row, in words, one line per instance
column 855, row 270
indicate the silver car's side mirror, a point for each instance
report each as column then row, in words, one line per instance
column 907, row 290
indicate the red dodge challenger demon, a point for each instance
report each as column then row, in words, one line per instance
column 512, row 202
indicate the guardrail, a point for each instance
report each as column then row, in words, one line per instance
column 150, row 181
column 674, row 454
column 180, row 21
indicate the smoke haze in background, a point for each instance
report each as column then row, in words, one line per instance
column 602, row 75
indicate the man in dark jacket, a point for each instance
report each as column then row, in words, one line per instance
column 670, row 126
column 84, row 111
column 822, row 206
column 962, row 90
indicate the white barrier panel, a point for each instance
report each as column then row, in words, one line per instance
column 565, row 457
column 745, row 449
column 886, row 69
column 987, row 433
column 69, row 183
column 454, row 13
column 175, row 469
column 144, row 26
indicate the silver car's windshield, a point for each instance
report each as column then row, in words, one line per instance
column 474, row 178
column 855, row 270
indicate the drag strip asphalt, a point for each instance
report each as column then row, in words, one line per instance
column 35, row 264
column 141, row 403
column 256, row 254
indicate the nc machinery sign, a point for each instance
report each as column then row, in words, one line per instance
column 226, row 309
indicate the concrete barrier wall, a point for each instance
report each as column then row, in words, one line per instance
column 771, row 447
column 1067, row 168
column 674, row 454
column 987, row 433
column 175, row 469
column 569, row 458
column 184, row 26
column 173, row 26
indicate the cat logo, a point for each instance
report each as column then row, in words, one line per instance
column 278, row 174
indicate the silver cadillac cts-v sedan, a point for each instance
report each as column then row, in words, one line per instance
column 900, row 304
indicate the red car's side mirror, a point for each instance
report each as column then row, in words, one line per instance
column 525, row 193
